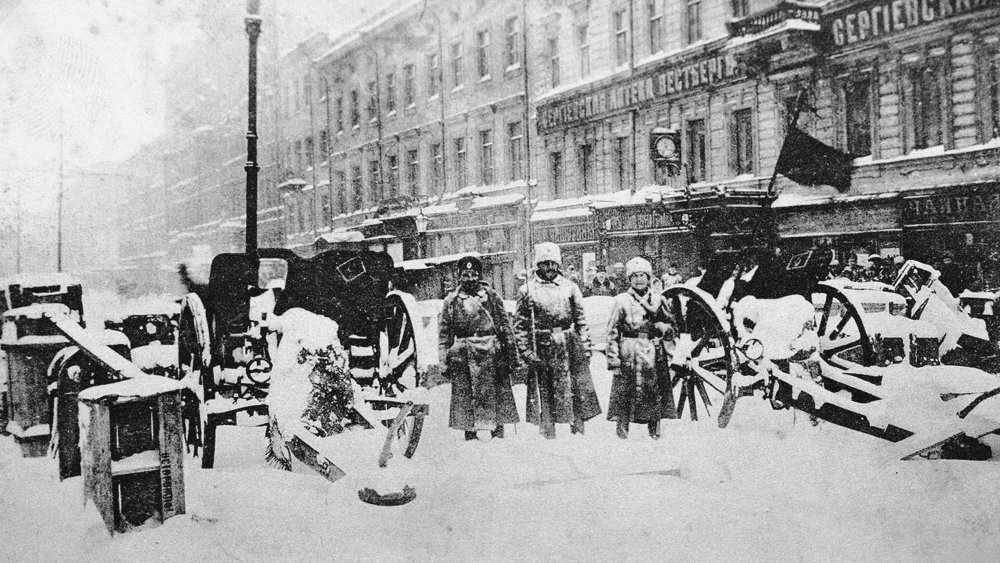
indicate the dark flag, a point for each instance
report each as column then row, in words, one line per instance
column 811, row 162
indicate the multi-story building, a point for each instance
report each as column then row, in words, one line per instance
column 420, row 130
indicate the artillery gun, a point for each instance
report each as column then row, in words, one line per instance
column 903, row 362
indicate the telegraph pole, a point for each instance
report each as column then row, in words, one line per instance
column 252, row 22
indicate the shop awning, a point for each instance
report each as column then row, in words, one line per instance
column 413, row 265
column 450, row 258
column 804, row 216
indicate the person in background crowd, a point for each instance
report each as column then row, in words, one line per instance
column 551, row 331
column 522, row 277
column 656, row 286
column 617, row 276
column 952, row 274
column 835, row 271
column 991, row 272
column 874, row 270
column 694, row 280
column 601, row 285
column 572, row 274
column 672, row 276
column 851, row 270
column 640, row 377
column 588, row 278
column 729, row 286
column 476, row 346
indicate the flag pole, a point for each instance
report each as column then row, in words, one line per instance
column 792, row 123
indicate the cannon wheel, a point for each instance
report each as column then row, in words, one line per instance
column 842, row 334
column 703, row 381
column 194, row 358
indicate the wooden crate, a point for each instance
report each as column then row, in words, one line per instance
column 132, row 451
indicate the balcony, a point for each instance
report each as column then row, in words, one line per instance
column 785, row 14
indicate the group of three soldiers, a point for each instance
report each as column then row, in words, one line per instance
column 548, row 342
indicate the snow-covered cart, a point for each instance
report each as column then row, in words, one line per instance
column 903, row 362
column 262, row 335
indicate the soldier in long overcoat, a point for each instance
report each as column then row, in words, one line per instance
column 551, row 332
column 639, row 366
column 476, row 345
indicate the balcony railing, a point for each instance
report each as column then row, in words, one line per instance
column 773, row 17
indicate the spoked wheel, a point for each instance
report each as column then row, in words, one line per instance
column 704, row 359
column 194, row 357
column 842, row 335
column 397, row 347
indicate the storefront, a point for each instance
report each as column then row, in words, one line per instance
column 575, row 233
column 869, row 224
column 490, row 226
column 960, row 220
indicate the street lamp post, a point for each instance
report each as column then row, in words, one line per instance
column 252, row 21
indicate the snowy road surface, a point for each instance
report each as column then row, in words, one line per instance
column 768, row 487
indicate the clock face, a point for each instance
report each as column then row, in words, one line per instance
column 664, row 147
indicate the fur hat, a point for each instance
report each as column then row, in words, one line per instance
column 547, row 252
column 470, row 263
column 638, row 265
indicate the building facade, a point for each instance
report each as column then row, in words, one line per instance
column 424, row 130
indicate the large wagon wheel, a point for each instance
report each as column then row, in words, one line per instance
column 398, row 367
column 194, row 362
column 842, row 334
column 704, row 360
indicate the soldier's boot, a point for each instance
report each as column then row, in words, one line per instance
column 576, row 427
column 654, row 430
column 622, row 429
column 470, row 435
column 548, row 430
column 498, row 431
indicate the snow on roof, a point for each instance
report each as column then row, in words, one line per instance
column 448, row 258
column 413, row 265
column 787, row 25
column 39, row 280
column 37, row 311
column 496, row 200
column 794, row 199
column 137, row 387
column 560, row 214
column 343, row 236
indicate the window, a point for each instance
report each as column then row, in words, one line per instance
column 461, row 163
column 621, row 159
column 324, row 144
column 655, row 25
column 741, row 139
column 356, row 190
column 486, row 156
column 693, row 21
column 393, row 175
column 993, row 87
column 374, row 182
column 306, row 91
column 302, row 218
column 327, row 209
column 857, row 112
column 925, row 82
column 372, row 100
column 482, row 59
column 433, row 75
column 583, row 44
column 298, row 95
column 515, row 134
column 310, row 160
column 298, row 155
column 437, row 166
column 621, row 37
column 556, row 173
column 697, row 153
column 409, row 95
column 340, row 115
column 554, row 61
column 456, row 65
column 512, row 33
column 340, row 186
column 586, row 164
column 741, row 8
column 355, row 110
column 412, row 172
column 390, row 92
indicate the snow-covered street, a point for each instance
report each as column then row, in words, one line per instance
column 771, row 486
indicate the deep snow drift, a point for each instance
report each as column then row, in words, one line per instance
column 770, row 486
